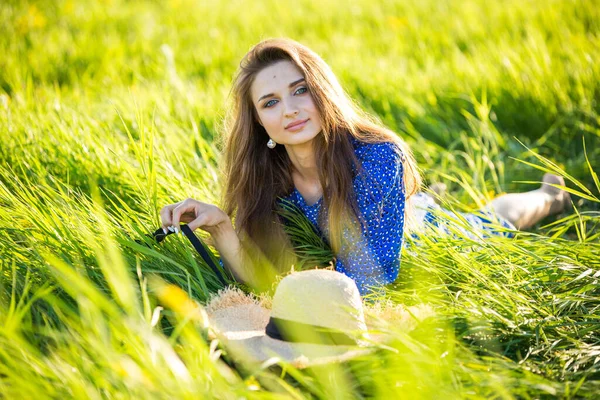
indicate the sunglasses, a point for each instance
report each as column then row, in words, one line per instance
column 159, row 235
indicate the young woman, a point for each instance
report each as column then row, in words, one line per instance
column 294, row 134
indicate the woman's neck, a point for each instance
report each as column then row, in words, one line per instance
column 303, row 161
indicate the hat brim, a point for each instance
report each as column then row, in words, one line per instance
column 242, row 329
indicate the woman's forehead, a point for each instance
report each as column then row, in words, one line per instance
column 274, row 79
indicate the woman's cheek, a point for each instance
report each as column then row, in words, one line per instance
column 271, row 126
column 273, row 122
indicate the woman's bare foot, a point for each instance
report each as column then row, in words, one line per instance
column 562, row 199
column 526, row 209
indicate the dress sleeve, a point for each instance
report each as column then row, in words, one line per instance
column 373, row 259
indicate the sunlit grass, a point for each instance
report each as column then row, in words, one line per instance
column 110, row 110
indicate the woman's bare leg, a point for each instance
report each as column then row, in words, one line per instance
column 524, row 210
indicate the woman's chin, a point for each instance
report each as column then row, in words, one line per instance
column 300, row 139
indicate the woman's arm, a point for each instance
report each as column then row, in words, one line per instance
column 215, row 221
column 228, row 244
column 373, row 259
column 242, row 259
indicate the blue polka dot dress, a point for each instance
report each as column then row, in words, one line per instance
column 373, row 259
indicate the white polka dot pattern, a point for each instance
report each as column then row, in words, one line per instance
column 373, row 259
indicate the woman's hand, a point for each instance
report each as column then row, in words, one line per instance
column 215, row 221
column 196, row 214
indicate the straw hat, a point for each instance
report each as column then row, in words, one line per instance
column 316, row 317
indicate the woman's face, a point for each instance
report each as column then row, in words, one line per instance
column 281, row 98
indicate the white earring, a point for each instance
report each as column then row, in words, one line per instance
column 271, row 144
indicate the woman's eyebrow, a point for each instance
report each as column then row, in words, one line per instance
column 291, row 85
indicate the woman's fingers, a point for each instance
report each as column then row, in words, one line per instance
column 165, row 216
column 193, row 212
column 187, row 206
column 212, row 219
column 198, row 222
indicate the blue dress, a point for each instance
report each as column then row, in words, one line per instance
column 374, row 259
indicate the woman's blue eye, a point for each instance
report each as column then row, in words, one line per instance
column 267, row 104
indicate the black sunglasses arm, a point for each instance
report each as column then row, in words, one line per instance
column 159, row 235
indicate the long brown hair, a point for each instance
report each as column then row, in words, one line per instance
column 255, row 176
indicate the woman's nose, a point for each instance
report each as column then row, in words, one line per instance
column 291, row 113
column 291, row 109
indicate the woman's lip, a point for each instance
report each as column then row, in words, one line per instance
column 298, row 126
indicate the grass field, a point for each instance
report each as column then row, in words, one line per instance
column 111, row 109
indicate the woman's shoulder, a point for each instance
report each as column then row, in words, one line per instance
column 381, row 169
column 382, row 152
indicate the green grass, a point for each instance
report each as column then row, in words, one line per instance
column 111, row 109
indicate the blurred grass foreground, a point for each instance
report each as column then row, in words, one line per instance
column 111, row 109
